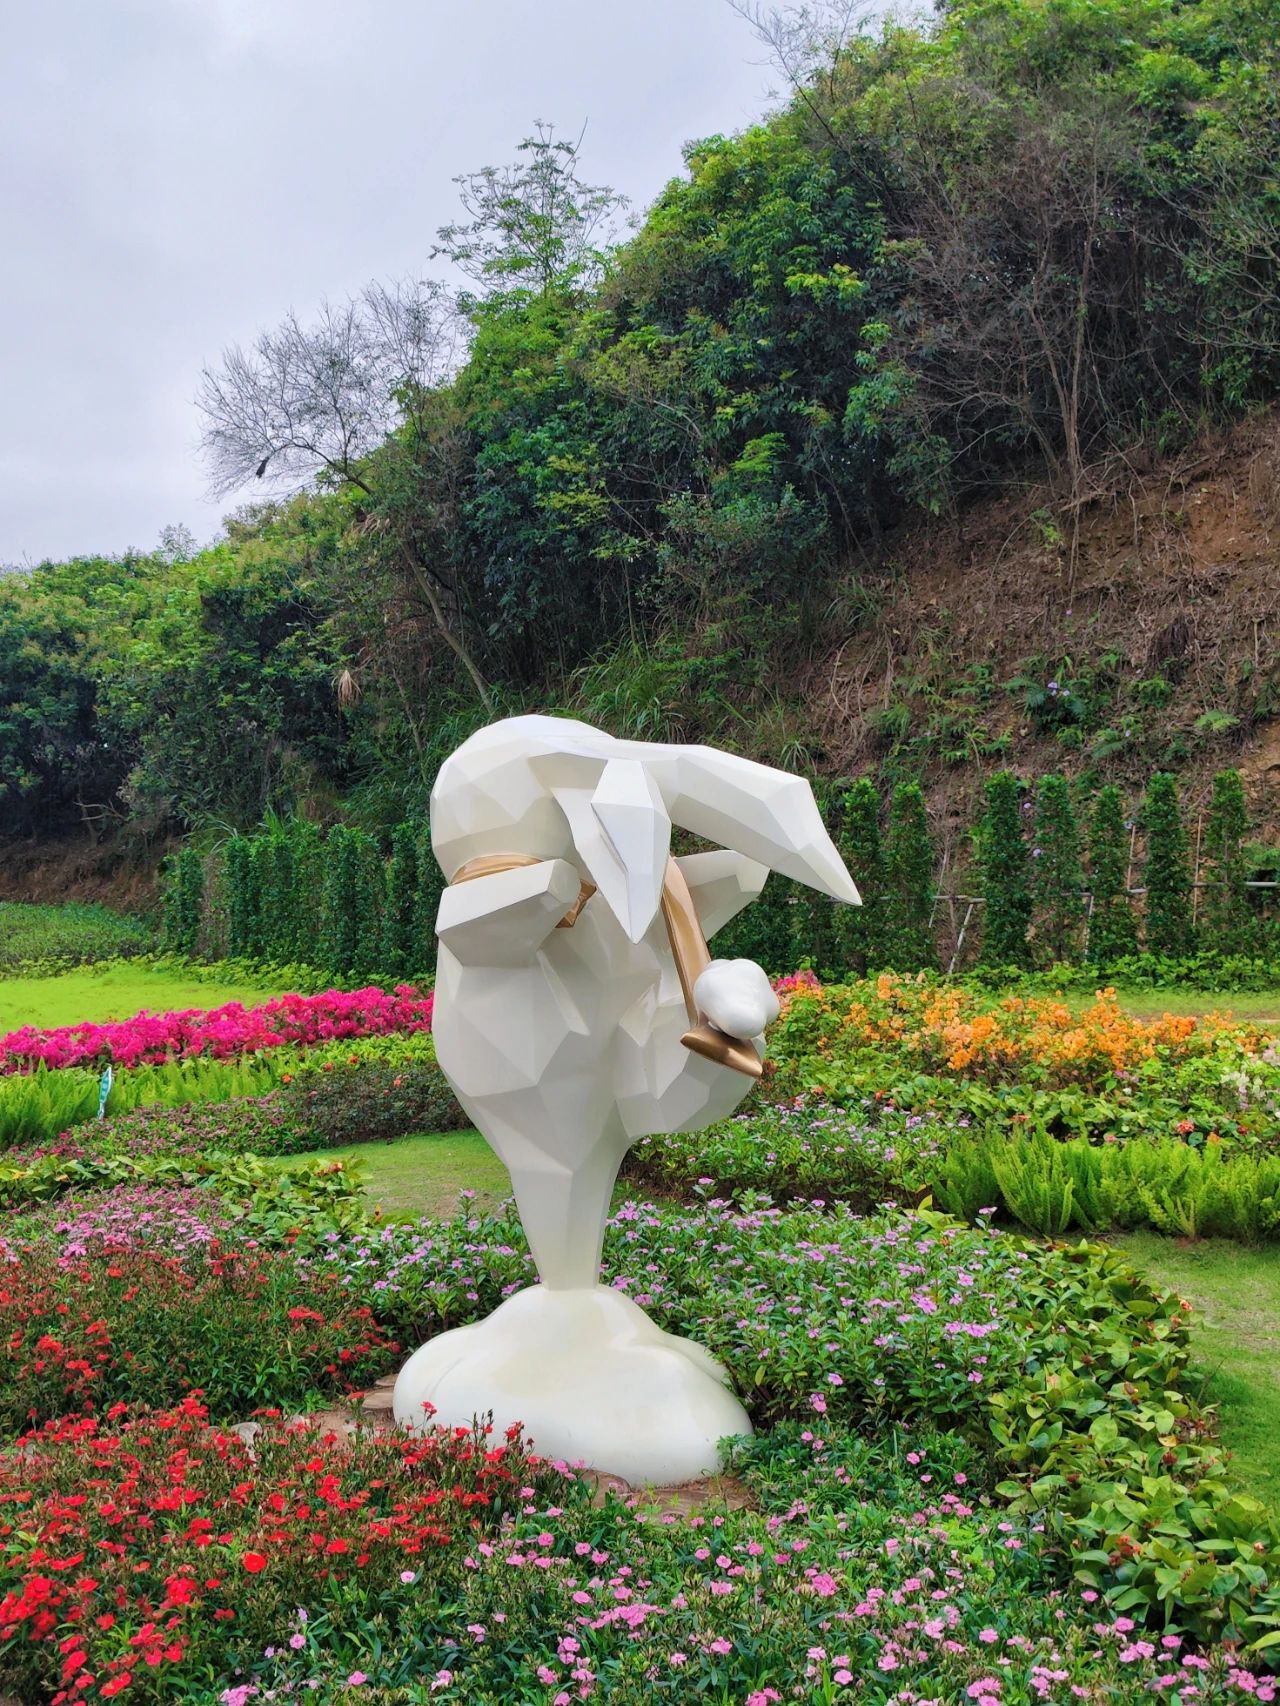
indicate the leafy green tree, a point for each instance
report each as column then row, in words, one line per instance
column 863, row 928
column 534, row 225
column 1226, row 909
column 1113, row 929
column 1056, row 874
column 1006, row 879
column 1166, row 873
column 909, row 944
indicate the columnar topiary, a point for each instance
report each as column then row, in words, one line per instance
column 815, row 926
column 1006, row 884
column 765, row 930
column 341, row 938
column 169, row 901
column 1226, row 905
column 430, row 887
column 1057, row 880
column 908, row 862
column 259, row 885
column 862, row 931
column 237, row 876
column 1113, row 928
column 189, row 908
column 307, row 857
column 1166, row 874
column 273, row 854
column 400, row 914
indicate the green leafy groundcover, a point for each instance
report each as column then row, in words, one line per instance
column 977, row 1472
column 55, row 937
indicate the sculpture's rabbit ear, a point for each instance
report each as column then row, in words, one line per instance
column 754, row 809
column 622, row 834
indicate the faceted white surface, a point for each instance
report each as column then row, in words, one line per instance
column 591, row 1378
column 564, row 1046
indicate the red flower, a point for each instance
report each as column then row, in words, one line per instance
column 253, row 1562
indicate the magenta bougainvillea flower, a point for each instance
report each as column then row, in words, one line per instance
column 221, row 1033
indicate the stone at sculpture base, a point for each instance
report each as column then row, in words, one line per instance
column 591, row 1377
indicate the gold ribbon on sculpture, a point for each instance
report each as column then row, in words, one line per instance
column 688, row 949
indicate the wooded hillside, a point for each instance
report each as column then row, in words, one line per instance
column 922, row 429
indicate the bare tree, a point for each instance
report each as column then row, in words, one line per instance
column 342, row 400
column 313, row 400
column 805, row 42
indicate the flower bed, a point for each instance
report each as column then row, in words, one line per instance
column 810, row 1148
column 1082, row 1072
column 125, row 1321
column 140, row 1556
column 221, row 1033
column 1056, row 1376
column 459, row 1569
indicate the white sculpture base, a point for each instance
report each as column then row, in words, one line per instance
column 591, row 1377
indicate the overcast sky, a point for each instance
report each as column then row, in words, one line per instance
column 175, row 174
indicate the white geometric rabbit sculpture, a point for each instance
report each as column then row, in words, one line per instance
column 576, row 1010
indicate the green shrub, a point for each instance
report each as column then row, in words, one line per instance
column 349, row 931
column 816, row 921
column 43, row 940
column 371, row 1100
column 237, row 877
column 401, row 946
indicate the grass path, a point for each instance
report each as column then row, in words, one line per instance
column 1236, row 1294
column 118, row 992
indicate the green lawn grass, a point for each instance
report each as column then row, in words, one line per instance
column 1154, row 1003
column 1236, row 1295
column 116, row 992
column 424, row 1174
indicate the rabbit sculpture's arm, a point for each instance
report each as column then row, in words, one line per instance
column 721, row 884
column 504, row 917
